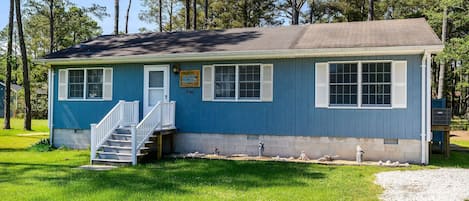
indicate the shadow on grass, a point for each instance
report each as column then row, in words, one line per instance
column 169, row 176
column 457, row 159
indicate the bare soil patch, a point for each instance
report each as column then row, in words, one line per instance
column 459, row 135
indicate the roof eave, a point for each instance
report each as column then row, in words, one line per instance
column 248, row 55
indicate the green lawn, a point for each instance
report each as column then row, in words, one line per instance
column 38, row 126
column 53, row 175
column 461, row 143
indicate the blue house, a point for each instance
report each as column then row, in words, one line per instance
column 321, row 88
column 13, row 100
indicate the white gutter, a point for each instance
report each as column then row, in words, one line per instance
column 426, row 134
column 50, row 102
column 246, row 55
column 429, row 103
column 423, row 102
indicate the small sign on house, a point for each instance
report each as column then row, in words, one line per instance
column 189, row 78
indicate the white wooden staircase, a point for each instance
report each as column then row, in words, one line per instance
column 120, row 139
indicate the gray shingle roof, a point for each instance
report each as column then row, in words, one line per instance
column 13, row 87
column 386, row 33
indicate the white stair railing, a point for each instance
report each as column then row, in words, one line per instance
column 161, row 116
column 122, row 114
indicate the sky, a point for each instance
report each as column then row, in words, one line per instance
column 107, row 23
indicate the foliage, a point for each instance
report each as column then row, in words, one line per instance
column 42, row 145
column 222, row 14
column 73, row 24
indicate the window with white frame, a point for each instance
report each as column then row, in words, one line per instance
column 237, row 82
column 85, row 84
column 375, row 84
column 249, row 81
column 225, row 82
column 343, row 84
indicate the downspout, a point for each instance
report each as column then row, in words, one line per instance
column 429, row 109
column 50, row 110
column 422, row 110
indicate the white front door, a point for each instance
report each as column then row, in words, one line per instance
column 155, row 86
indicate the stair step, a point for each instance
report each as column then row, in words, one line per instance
column 122, row 134
column 111, row 161
column 112, row 140
column 122, row 130
column 119, row 154
column 115, row 147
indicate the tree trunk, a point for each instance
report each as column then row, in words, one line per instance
column 127, row 18
column 206, row 14
column 51, row 25
column 195, row 14
column 24, row 58
column 441, row 78
column 170, row 12
column 188, row 13
column 311, row 12
column 6, row 123
column 371, row 11
column 245, row 13
column 160, row 13
column 295, row 16
column 116, row 17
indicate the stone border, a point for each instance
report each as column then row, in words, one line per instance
column 243, row 157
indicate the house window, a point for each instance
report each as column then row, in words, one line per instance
column 76, row 80
column 249, row 81
column 225, row 82
column 376, row 84
column 85, row 84
column 343, row 84
column 372, row 78
column 94, row 83
column 237, row 82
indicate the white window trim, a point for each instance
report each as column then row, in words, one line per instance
column 359, row 84
column 85, row 85
column 236, row 98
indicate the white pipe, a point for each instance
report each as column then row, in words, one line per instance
column 429, row 99
column 50, row 109
column 422, row 128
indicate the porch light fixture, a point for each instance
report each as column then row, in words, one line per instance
column 176, row 68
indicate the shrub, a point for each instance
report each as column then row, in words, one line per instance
column 42, row 145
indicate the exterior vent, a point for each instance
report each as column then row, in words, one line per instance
column 391, row 141
column 441, row 116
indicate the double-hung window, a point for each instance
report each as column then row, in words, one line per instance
column 238, row 82
column 360, row 84
column 85, row 84
column 343, row 84
column 376, row 84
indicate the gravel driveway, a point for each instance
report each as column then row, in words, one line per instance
column 440, row 184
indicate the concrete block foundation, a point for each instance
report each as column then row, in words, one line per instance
column 72, row 138
column 407, row 150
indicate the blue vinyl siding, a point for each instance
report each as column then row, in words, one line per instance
column 292, row 111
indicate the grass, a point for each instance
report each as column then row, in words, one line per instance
column 456, row 159
column 461, row 143
column 26, row 174
column 38, row 126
